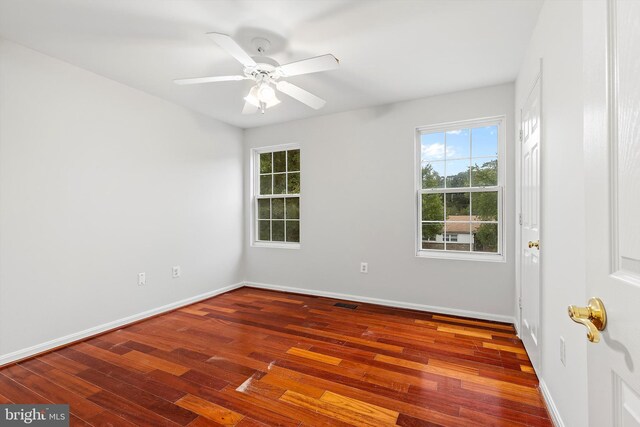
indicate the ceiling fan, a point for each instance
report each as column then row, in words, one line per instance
column 267, row 74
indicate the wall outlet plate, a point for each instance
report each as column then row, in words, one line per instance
column 364, row 267
column 142, row 279
column 175, row 271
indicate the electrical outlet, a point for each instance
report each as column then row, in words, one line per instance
column 364, row 267
column 142, row 279
column 563, row 352
column 175, row 271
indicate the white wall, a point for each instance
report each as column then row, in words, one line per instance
column 557, row 39
column 358, row 204
column 98, row 182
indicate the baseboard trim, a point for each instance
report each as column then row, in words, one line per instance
column 26, row 353
column 551, row 405
column 388, row 303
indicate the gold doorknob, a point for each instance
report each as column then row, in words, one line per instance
column 593, row 316
column 534, row 244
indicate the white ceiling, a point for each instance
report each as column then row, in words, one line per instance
column 389, row 50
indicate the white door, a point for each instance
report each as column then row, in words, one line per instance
column 612, row 154
column 530, row 223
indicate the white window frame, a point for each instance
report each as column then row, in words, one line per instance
column 255, row 189
column 502, row 145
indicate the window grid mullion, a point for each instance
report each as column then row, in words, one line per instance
column 271, row 218
column 286, row 190
column 460, row 190
column 444, row 184
column 469, row 168
column 278, row 196
column 430, row 221
column 444, row 198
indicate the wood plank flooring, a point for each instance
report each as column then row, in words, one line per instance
column 252, row 357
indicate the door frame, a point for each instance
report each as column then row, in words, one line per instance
column 538, row 76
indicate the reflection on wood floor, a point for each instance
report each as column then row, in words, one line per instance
column 252, row 357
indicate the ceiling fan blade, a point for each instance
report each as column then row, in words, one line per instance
column 300, row 94
column 311, row 65
column 198, row 80
column 232, row 48
column 249, row 108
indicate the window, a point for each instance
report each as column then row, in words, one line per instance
column 276, row 194
column 459, row 190
column 451, row 237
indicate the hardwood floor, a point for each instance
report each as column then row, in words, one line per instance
column 253, row 357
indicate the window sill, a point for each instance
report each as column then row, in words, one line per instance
column 277, row 245
column 461, row 256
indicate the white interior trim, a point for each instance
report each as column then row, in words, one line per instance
column 516, row 325
column 254, row 187
column 500, row 187
column 77, row 336
column 551, row 405
column 389, row 303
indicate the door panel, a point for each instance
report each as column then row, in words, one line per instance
column 530, row 228
column 627, row 109
column 626, row 409
column 612, row 154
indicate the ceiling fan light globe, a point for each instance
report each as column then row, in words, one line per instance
column 252, row 101
column 275, row 101
column 252, row 98
column 255, row 97
column 266, row 93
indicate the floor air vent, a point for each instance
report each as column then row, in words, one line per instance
column 345, row 305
